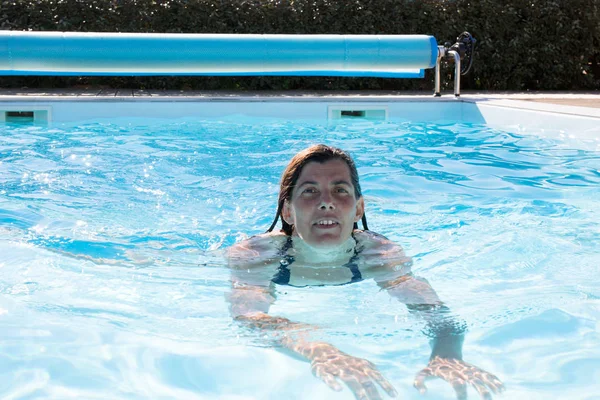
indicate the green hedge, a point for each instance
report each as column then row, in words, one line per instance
column 522, row 44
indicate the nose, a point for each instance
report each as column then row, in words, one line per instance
column 326, row 202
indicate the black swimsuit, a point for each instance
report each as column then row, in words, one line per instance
column 282, row 276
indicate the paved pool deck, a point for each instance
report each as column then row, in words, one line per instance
column 575, row 99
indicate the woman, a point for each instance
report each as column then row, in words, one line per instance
column 320, row 205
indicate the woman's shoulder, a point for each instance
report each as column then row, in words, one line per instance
column 374, row 244
column 258, row 248
column 383, row 257
column 370, row 239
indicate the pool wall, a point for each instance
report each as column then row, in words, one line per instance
column 509, row 115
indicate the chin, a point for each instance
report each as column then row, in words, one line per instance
column 326, row 242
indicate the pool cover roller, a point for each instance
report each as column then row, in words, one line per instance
column 152, row 54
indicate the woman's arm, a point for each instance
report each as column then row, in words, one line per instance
column 445, row 330
column 389, row 266
column 249, row 305
column 250, row 298
column 252, row 292
column 446, row 333
column 391, row 270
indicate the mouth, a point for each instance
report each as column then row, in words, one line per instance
column 326, row 223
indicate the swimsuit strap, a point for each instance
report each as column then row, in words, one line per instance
column 352, row 264
column 282, row 276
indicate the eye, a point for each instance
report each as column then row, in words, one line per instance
column 309, row 190
column 340, row 189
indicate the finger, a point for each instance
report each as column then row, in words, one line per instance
column 493, row 383
column 328, row 378
column 460, row 387
column 370, row 389
column 420, row 380
column 481, row 389
column 355, row 387
column 384, row 383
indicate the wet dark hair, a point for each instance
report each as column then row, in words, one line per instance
column 318, row 153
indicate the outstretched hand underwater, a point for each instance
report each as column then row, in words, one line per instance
column 459, row 373
column 330, row 364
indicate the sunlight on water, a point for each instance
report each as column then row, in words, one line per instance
column 113, row 282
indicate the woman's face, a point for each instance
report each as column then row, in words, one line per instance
column 322, row 207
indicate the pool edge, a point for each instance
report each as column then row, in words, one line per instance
column 501, row 112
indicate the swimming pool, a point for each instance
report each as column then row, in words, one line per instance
column 112, row 222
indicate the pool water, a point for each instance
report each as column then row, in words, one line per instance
column 113, row 281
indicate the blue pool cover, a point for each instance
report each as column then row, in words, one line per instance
column 137, row 54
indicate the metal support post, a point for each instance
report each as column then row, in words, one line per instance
column 438, row 80
column 456, row 72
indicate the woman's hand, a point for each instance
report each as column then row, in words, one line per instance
column 459, row 373
column 360, row 375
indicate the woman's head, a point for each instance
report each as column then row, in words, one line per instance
column 313, row 188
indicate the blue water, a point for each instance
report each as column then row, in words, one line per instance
column 113, row 283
